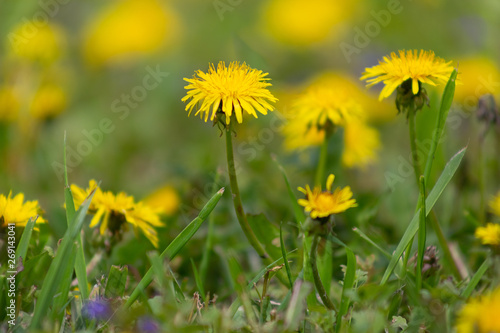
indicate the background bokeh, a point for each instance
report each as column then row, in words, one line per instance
column 85, row 68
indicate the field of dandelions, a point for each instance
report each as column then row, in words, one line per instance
column 249, row 166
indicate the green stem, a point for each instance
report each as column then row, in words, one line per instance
column 323, row 156
column 413, row 144
column 238, row 206
column 317, row 280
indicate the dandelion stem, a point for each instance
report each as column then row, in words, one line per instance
column 323, row 156
column 317, row 280
column 413, row 144
column 238, row 206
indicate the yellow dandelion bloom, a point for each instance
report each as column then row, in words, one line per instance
column 477, row 75
column 322, row 104
column 112, row 211
column 299, row 136
column 130, row 28
column 489, row 235
column 49, row 101
column 42, row 43
column 495, row 204
column 15, row 210
column 361, row 143
column 9, row 104
column 232, row 89
column 423, row 67
column 325, row 203
column 480, row 314
column 303, row 23
column 165, row 200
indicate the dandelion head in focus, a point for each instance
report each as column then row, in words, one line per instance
column 321, row 204
column 49, row 101
column 116, row 212
column 480, row 314
column 128, row 29
column 406, row 72
column 489, row 235
column 236, row 89
column 16, row 210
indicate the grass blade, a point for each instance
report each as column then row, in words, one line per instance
column 350, row 276
column 58, row 265
column 199, row 283
column 80, row 264
column 448, row 172
column 446, row 101
column 285, row 260
column 177, row 244
column 476, row 278
column 421, row 234
column 370, row 241
column 22, row 248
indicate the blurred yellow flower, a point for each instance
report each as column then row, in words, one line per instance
column 112, row 211
column 495, row 204
column 130, row 28
column 232, row 89
column 43, row 43
column 302, row 23
column 479, row 76
column 298, row 135
column 15, row 210
column 480, row 314
column 49, row 101
column 9, row 104
column 325, row 203
column 164, row 199
column 423, row 67
column 489, row 235
column 361, row 143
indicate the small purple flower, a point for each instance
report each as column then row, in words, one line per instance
column 98, row 310
column 147, row 324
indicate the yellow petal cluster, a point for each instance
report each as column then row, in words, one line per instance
column 489, row 235
column 109, row 209
column 234, row 89
column 480, row 314
column 15, row 210
column 416, row 66
column 321, row 204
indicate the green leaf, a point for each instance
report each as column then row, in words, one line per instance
column 285, row 260
column 177, row 244
column 266, row 232
column 350, row 276
column 56, row 270
column 61, row 296
column 476, row 278
column 297, row 306
column 22, row 247
column 448, row 172
column 421, row 234
column 117, row 280
column 370, row 241
column 446, row 101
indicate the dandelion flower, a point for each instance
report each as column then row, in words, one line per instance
column 9, row 104
column 475, row 74
column 325, row 203
column 361, row 143
column 299, row 136
column 489, row 235
column 128, row 29
column 15, row 210
column 165, row 200
column 480, row 314
column 49, row 101
column 495, row 204
column 411, row 66
column 112, row 211
column 232, row 89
